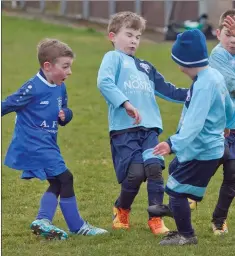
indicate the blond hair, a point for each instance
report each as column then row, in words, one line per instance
column 126, row 19
column 52, row 49
column 230, row 13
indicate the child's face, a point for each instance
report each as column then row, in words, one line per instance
column 126, row 40
column 59, row 71
column 188, row 71
column 226, row 40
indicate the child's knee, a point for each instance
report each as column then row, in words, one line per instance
column 154, row 172
column 136, row 174
column 66, row 177
column 66, row 181
column 54, row 187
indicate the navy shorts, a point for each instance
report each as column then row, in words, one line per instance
column 230, row 142
column 134, row 147
column 190, row 179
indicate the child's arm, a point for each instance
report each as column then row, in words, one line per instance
column 218, row 61
column 65, row 114
column 18, row 100
column 168, row 91
column 106, row 80
column 192, row 123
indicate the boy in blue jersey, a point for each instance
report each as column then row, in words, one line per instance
column 129, row 86
column 199, row 141
column 40, row 106
column 222, row 58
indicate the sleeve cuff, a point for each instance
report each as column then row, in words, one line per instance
column 68, row 116
column 168, row 141
column 123, row 103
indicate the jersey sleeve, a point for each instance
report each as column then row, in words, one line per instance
column 64, row 97
column 18, row 100
column 193, row 121
column 106, row 80
column 219, row 61
column 67, row 111
column 229, row 111
column 167, row 90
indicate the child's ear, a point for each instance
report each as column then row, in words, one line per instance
column 218, row 32
column 46, row 66
column 111, row 36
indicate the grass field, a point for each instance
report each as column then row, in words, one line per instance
column 85, row 147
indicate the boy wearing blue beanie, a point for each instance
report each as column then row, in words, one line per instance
column 199, row 140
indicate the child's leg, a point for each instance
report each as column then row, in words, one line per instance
column 227, row 193
column 68, row 202
column 69, row 208
column 130, row 186
column 182, row 215
column 43, row 224
column 128, row 165
column 155, row 184
column 49, row 201
column 227, row 190
column 153, row 168
column 188, row 179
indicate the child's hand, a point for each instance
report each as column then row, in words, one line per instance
column 162, row 149
column 226, row 132
column 132, row 112
column 62, row 115
column 229, row 23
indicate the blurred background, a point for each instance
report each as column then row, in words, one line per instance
column 168, row 17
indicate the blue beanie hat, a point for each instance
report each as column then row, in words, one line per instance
column 190, row 50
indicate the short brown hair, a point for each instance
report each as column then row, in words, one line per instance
column 230, row 12
column 127, row 19
column 51, row 49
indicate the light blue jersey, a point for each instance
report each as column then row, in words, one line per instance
column 224, row 62
column 125, row 78
column 207, row 108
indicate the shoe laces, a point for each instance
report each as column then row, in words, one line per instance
column 123, row 215
column 156, row 222
column 171, row 234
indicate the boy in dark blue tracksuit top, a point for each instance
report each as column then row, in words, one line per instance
column 41, row 105
column 129, row 86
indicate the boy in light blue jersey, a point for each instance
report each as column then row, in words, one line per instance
column 199, row 141
column 222, row 58
column 41, row 105
column 129, row 86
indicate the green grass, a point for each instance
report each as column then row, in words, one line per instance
column 85, row 147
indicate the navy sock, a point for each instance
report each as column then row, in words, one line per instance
column 71, row 214
column 127, row 195
column 126, row 198
column 48, row 206
column 155, row 192
column 182, row 215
